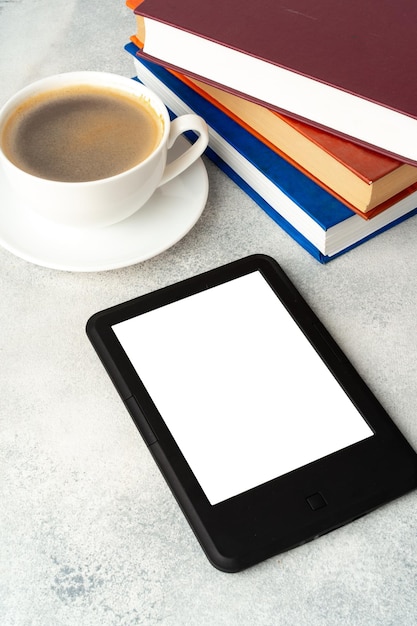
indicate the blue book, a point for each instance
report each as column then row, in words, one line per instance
column 318, row 221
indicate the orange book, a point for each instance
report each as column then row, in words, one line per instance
column 365, row 180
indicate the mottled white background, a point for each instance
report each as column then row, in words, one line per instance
column 89, row 533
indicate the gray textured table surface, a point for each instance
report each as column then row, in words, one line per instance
column 89, row 533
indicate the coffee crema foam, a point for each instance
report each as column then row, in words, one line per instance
column 81, row 133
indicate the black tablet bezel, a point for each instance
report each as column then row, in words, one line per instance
column 293, row 508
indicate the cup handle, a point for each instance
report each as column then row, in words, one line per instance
column 179, row 126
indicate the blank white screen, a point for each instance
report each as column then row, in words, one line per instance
column 240, row 388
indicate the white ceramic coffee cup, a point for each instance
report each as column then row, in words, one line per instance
column 102, row 202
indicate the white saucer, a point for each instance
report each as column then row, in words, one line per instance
column 163, row 221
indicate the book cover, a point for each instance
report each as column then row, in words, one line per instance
column 361, row 177
column 345, row 66
column 324, row 226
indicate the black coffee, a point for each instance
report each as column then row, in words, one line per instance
column 81, row 133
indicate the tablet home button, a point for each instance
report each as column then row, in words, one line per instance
column 316, row 501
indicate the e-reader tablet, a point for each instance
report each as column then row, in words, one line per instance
column 262, row 428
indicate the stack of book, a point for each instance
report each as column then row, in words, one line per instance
column 305, row 112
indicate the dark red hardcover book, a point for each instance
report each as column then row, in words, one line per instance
column 345, row 66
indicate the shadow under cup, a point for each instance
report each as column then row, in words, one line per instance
column 87, row 149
